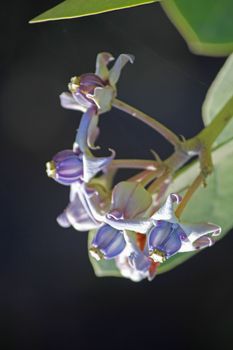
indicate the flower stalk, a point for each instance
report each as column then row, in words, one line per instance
column 188, row 195
column 154, row 124
column 134, row 164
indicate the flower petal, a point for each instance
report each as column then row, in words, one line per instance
column 172, row 245
column 195, row 231
column 186, row 246
column 74, row 189
column 166, row 212
column 66, row 167
column 102, row 60
column 93, row 133
column 87, row 128
column 158, row 234
column 91, row 202
column 118, row 66
column 130, row 199
column 164, row 237
column 63, row 221
column 82, row 100
column 92, row 165
column 203, row 242
column 67, row 101
column 135, row 225
column 103, row 98
column 109, row 241
column 77, row 216
column 200, row 243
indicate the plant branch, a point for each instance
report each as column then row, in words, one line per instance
column 202, row 143
column 209, row 134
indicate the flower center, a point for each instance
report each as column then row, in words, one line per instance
column 96, row 253
column 51, row 169
column 158, row 256
column 74, row 84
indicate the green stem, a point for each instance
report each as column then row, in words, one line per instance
column 214, row 129
column 154, row 124
column 202, row 143
column 210, row 133
column 176, row 160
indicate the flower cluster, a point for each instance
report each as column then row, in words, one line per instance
column 129, row 226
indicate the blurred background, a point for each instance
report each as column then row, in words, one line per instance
column 50, row 297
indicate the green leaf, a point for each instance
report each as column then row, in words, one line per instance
column 220, row 92
column 206, row 25
column 212, row 203
column 79, row 8
column 102, row 268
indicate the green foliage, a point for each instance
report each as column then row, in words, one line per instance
column 79, row 8
column 212, row 203
column 219, row 94
column 205, row 24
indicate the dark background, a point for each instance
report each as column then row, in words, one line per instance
column 50, row 297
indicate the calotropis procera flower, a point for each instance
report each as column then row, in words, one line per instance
column 129, row 208
column 169, row 236
column 95, row 89
column 79, row 164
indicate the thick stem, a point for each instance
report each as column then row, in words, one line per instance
column 154, row 124
column 214, row 129
column 209, row 134
column 202, row 143
column 176, row 160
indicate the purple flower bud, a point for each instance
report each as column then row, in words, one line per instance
column 164, row 240
column 66, row 167
column 107, row 243
column 85, row 85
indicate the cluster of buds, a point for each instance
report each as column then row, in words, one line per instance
column 132, row 228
